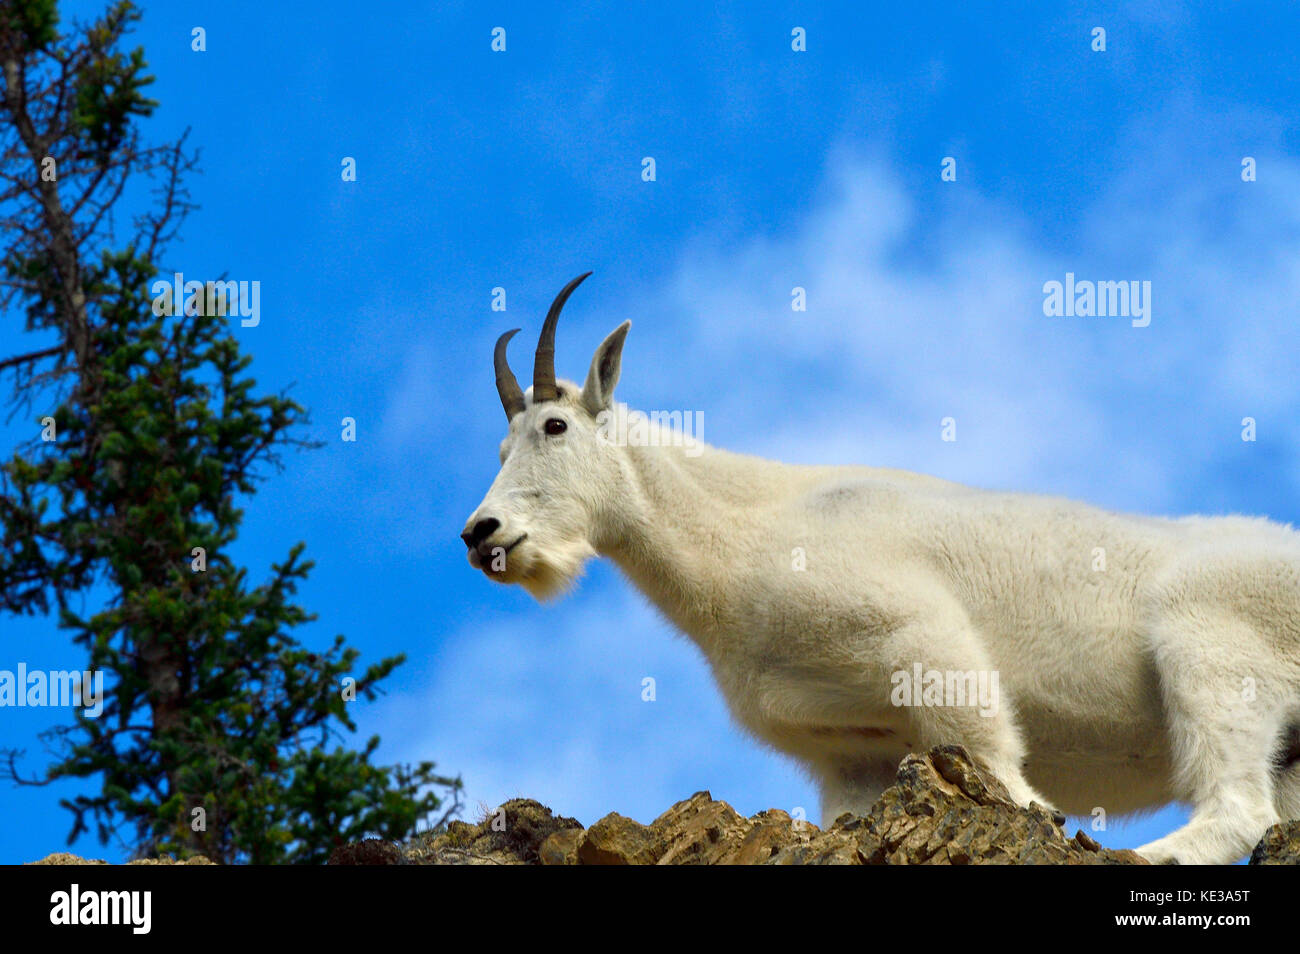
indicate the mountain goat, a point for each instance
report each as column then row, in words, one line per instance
column 1135, row 660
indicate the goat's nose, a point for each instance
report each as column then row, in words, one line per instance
column 480, row 532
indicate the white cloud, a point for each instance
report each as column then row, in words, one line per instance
column 909, row 322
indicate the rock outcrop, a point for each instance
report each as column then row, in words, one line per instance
column 943, row 809
column 66, row 858
column 1279, row 846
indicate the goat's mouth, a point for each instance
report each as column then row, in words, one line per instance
column 495, row 562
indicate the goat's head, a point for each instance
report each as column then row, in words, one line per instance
column 558, row 477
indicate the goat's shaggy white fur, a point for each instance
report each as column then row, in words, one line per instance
column 1170, row 671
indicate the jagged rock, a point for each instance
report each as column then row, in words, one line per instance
column 615, row 840
column 561, row 848
column 944, row 809
column 512, row 835
column 699, row 831
column 947, row 810
column 1279, row 846
column 372, row 851
column 64, row 858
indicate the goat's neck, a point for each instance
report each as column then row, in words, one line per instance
column 687, row 523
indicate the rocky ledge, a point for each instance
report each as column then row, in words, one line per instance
column 943, row 810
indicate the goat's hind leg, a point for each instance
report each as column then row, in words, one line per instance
column 1224, row 738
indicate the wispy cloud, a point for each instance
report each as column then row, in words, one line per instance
column 911, row 320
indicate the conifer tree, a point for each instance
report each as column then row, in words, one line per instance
column 220, row 731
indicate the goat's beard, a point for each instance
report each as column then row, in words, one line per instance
column 554, row 567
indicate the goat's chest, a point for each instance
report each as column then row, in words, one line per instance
column 812, row 704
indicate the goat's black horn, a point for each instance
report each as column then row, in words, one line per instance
column 512, row 396
column 544, row 388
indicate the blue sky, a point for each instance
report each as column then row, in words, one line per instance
column 775, row 169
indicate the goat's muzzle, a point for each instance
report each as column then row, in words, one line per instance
column 484, row 553
column 478, row 533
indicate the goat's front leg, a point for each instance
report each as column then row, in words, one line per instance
column 853, row 785
column 948, row 644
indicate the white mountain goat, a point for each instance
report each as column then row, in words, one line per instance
column 1137, row 660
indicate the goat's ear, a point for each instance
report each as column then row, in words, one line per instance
column 598, row 392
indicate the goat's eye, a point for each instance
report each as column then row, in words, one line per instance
column 555, row 426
